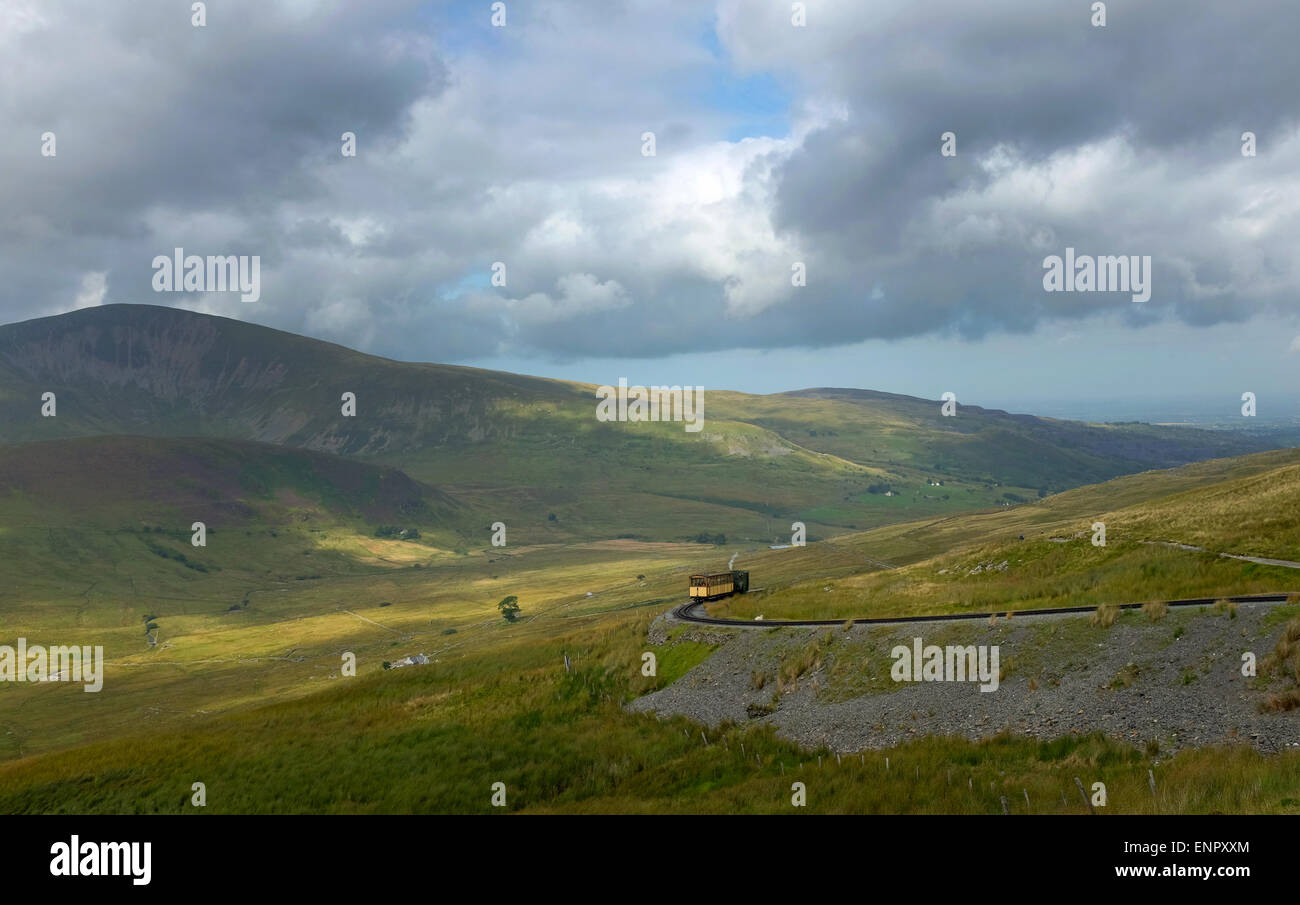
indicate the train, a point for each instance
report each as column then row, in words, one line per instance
column 719, row 584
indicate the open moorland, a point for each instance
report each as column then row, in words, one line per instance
column 329, row 539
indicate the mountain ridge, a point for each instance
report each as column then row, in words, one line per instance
column 836, row 459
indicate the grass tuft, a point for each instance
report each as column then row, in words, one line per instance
column 1104, row 616
column 1155, row 610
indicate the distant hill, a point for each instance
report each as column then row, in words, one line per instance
column 1017, row 448
column 530, row 451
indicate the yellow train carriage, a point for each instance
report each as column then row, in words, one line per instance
column 719, row 584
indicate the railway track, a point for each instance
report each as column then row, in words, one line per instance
column 686, row 613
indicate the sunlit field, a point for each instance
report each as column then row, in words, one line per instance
column 240, row 683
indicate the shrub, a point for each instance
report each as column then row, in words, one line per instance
column 1006, row 668
column 1285, row 656
column 1282, row 701
column 1105, row 615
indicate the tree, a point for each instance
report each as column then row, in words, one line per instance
column 509, row 608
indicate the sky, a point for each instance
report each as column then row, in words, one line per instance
column 777, row 147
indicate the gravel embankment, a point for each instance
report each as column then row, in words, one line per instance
column 1177, row 680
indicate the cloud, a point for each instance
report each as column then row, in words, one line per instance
column 94, row 286
column 577, row 295
column 522, row 145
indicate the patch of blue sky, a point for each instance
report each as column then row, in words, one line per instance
column 473, row 281
column 461, row 27
column 754, row 105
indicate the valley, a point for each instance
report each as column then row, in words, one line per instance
column 329, row 537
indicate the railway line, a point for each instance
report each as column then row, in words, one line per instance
column 686, row 612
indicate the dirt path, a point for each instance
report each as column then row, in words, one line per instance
column 1262, row 560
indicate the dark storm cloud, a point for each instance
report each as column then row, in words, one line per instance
column 169, row 134
column 1177, row 82
column 522, row 145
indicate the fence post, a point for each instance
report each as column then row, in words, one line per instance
column 1078, row 782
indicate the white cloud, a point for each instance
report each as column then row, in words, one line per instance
column 94, row 286
column 577, row 294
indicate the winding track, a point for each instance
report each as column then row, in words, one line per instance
column 685, row 613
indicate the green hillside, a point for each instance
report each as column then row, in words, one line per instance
column 251, row 701
column 232, row 483
column 1042, row 554
column 239, row 683
column 329, row 537
column 526, row 449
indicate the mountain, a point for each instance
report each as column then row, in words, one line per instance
column 140, row 369
column 529, row 451
column 166, row 418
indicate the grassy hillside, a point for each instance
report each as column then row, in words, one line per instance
column 435, row 739
column 224, row 661
column 979, row 563
column 240, row 685
column 984, row 444
column 107, row 479
column 527, row 449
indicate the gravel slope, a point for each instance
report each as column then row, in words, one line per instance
column 1177, row 681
